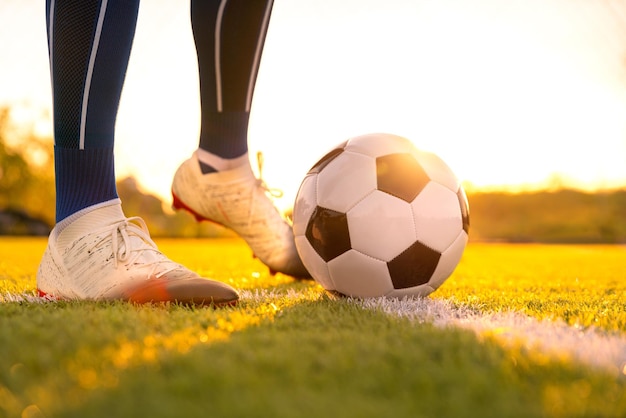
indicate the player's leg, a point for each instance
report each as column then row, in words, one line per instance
column 217, row 182
column 94, row 251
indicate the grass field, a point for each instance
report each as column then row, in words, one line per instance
column 517, row 331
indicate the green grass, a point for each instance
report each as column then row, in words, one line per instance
column 293, row 351
column 581, row 284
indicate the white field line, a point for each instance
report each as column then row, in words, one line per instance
column 590, row 346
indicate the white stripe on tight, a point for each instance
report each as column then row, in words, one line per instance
column 88, row 77
column 257, row 55
column 50, row 43
column 218, row 69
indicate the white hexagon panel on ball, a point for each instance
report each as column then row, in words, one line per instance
column 381, row 226
column 437, row 215
column 346, row 180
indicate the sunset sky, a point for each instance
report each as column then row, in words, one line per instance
column 510, row 93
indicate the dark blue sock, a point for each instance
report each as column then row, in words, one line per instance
column 227, row 80
column 83, row 178
column 89, row 46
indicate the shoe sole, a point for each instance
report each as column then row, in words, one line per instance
column 162, row 290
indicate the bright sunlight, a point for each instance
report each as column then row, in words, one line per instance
column 516, row 94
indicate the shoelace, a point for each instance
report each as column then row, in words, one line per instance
column 273, row 192
column 125, row 253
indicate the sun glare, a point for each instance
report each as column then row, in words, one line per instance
column 512, row 94
column 507, row 97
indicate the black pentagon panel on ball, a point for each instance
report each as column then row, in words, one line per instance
column 400, row 175
column 326, row 159
column 327, row 231
column 414, row 266
column 464, row 209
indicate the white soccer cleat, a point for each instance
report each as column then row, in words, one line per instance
column 237, row 200
column 99, row 254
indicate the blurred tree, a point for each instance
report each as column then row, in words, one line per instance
column 26, row 169
column 27, row 201
column 27, row 192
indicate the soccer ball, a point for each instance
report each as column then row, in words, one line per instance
column 378, row 217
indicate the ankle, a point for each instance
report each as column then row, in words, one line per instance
column 86, row 220
column 211, row 163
